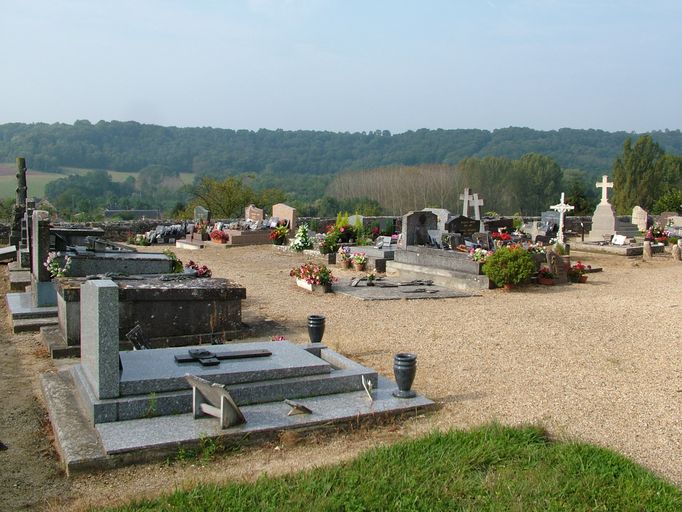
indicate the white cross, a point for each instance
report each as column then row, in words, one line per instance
column 604, row 185
column 562, row 208
column 466, row 197
column 477, row 203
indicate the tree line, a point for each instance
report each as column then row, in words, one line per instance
column 131, row 146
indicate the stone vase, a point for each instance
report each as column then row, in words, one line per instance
column 316, row 325
column 404, row 371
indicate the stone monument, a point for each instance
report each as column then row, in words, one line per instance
column 640, row 218
column 604, row 221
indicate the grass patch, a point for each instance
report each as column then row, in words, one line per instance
column 489, row 468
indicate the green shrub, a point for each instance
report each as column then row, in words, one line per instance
column 509, row 266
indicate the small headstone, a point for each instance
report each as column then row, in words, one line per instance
column 619, row 240
column 676, row 252
column 639, row 218
column 252, row 213
column 286, row 215
column 466, row 226
column 201, row 214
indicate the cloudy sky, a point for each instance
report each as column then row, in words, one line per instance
column 344, row 65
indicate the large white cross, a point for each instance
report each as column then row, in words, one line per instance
column 562, row 208
column 466, row 197
column 604, row 185
column 477, row 203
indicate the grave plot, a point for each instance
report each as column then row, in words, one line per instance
column 38, row 308
column 394, row 289
column 170, row 310
column 117, row 408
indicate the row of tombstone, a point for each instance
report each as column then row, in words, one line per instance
column 254, row 217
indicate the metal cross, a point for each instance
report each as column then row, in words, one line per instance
column 562, row 208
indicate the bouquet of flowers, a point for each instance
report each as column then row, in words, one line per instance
column 279, row 234
column 218, row 235
column 312, row 273
column 53, row 266
column 302, row 239
column 359, row 257
column 201, row 270
column 479, row 255
column 344, row 253
column 579, row 269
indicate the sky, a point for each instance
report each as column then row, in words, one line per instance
column 344, row 65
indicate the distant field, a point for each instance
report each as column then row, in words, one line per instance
column 37, row 180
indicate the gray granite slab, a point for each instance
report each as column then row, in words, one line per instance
column 364, row 292
column 21, row 306
column 155, row 370
column 171, row 431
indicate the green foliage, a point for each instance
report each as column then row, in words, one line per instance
column 509, row 266
column 671, row 201
column 490, row 468
column 6, row 208
column 176, row 264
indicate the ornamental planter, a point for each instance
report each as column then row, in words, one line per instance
column 344, row 263
column 582, row 279
column 547, row 281
column 315, row 288
column 316, row 328
column 404, row 371
column 359, row 267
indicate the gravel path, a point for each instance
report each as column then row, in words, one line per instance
column 599, row 362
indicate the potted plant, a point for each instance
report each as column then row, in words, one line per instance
column 359, row 260
column 313, row 277
column 509, row 266
column 219, row 236
column 278, row 235
column 344, row 257
column 371, row 277
column 545, row 276
column 330, row 242
column 302, row 239
column 578, row 272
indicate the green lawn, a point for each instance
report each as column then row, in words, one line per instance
column 489, row 468
column 37, row 180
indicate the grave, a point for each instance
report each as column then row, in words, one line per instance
column 377, row 255
column 254, row 214
column 171, row 310
column 416, row 226
column 465, row 226
column 393, row 289
column 118, row 408
column 640, row 218
column 443, row 216
column 33, row 309
column 286, row 214
column 105, row 257
column 605, row 224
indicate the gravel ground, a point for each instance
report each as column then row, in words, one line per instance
column 598, row 362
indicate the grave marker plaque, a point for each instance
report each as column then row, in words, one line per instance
column 464, row 225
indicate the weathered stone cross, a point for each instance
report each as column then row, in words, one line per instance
column 477, row 203
column 604, row 185
column 466, row 197
column 562, row 208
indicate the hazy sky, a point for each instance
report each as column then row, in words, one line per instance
column 344, row 65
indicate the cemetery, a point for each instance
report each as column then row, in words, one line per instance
column 159, row 363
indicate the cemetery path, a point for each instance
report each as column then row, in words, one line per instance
column 598, row 362
column 31, row 477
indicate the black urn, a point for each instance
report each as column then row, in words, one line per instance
column 315, row 328
column 404, row 370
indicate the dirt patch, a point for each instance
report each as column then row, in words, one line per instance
column 597, row 362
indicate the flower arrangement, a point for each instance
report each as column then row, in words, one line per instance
column 536, row 248
column 501, row 235
column 201, row 270
column 656, row 233
column 579, row 269
column 54, row 268
column 278, row 235
column 330, row 242
column 545, row 273
column 313, row 273
column 359, row 258
column 302, row 239
column 344, row 253
column 219, row 236
column 479, row 255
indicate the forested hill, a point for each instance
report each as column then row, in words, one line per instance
column 131, row 146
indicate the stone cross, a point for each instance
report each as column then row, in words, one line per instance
column 466, row 197
column 604, row 185
column 562, row 208
column 477, row 203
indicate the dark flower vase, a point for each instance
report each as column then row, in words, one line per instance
column 316, row 328
column 404, row 370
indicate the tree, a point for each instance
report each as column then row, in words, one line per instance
column 671, row 201
column 638, row 174
column 225, row 199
